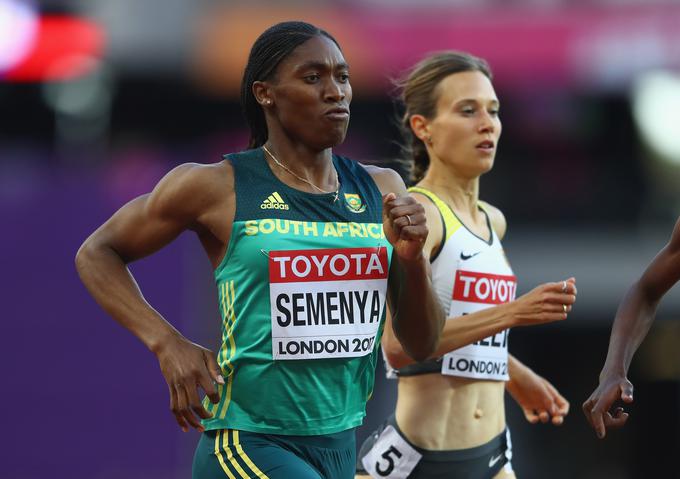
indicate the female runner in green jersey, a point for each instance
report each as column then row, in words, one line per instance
column 302, row 243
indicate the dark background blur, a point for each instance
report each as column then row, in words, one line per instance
column 99, row 99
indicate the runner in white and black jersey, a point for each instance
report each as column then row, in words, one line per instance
column 449, row 420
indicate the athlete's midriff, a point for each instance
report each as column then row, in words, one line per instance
column 460, row 413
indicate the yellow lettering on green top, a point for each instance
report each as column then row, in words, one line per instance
column 267, row 226
column 329, row 230
column 375, row 230
column 282, row 226
column 251, row 227
column 355, row 230
column 342, row 228
column 296, row 226
column 310, row 228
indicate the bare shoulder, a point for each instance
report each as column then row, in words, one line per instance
column 190, row 178
column 387, row 180
column 191, row 188
column 431, row 211
column 430, row 207
column 497, row 219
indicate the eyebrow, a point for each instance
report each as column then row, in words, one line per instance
column 321, row 65
column 472, row 100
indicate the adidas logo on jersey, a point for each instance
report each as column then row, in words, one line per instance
column 274, row 202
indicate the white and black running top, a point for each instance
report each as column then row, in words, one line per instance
column 469, row 274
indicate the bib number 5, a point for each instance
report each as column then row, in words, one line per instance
column 391, row 456
column 387, row 455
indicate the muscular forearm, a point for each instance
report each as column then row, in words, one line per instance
column 638, row 307
column 545, row 303
column 419, row 317
column 110, row 283
column 633, row 320
column 461, row 331
column 456, row 333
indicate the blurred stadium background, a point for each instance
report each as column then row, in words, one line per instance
column 100, row 98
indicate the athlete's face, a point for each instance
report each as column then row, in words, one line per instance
column 311, row 94
column 465, row 131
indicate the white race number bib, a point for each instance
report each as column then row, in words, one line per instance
column 391, row 456
column 326, row 303
column 488, row 358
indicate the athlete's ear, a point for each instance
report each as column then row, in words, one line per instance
column 262, row 93
column 420, row 127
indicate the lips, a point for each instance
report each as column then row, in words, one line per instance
column 486, row 145
column 339, row 113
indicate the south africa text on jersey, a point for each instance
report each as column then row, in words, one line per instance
column 311, row 228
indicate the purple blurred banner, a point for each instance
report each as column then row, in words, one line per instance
column 82, row 397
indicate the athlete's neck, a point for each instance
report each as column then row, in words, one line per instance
column 305, row 161
column 460, row 193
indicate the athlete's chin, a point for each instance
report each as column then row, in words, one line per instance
column 485, row 165
column 476, row 170
column 332, row 138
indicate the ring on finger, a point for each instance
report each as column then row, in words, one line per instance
column 408, row 218
column 564, row 307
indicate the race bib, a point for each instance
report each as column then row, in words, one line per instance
column 326, row 303
column 487, row 358
column 391, row 456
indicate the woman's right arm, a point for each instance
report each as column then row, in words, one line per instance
column 541, row 305
column 182, row 200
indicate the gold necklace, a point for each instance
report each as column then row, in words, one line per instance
column 337, row 180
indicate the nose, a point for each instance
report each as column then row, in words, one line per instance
column 334, row 91
column 487, row 123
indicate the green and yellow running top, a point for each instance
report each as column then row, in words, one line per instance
column 302, row 294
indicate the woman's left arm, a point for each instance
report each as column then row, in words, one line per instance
column 539, row 400
column 417, row 316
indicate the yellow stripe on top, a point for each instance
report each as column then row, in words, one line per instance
column 244, row 457
column 222, row 359
column 209, row 406
column 227, row 342
column 218, row 453
column 229, row 320
column 451, row 223
column 222, row 355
